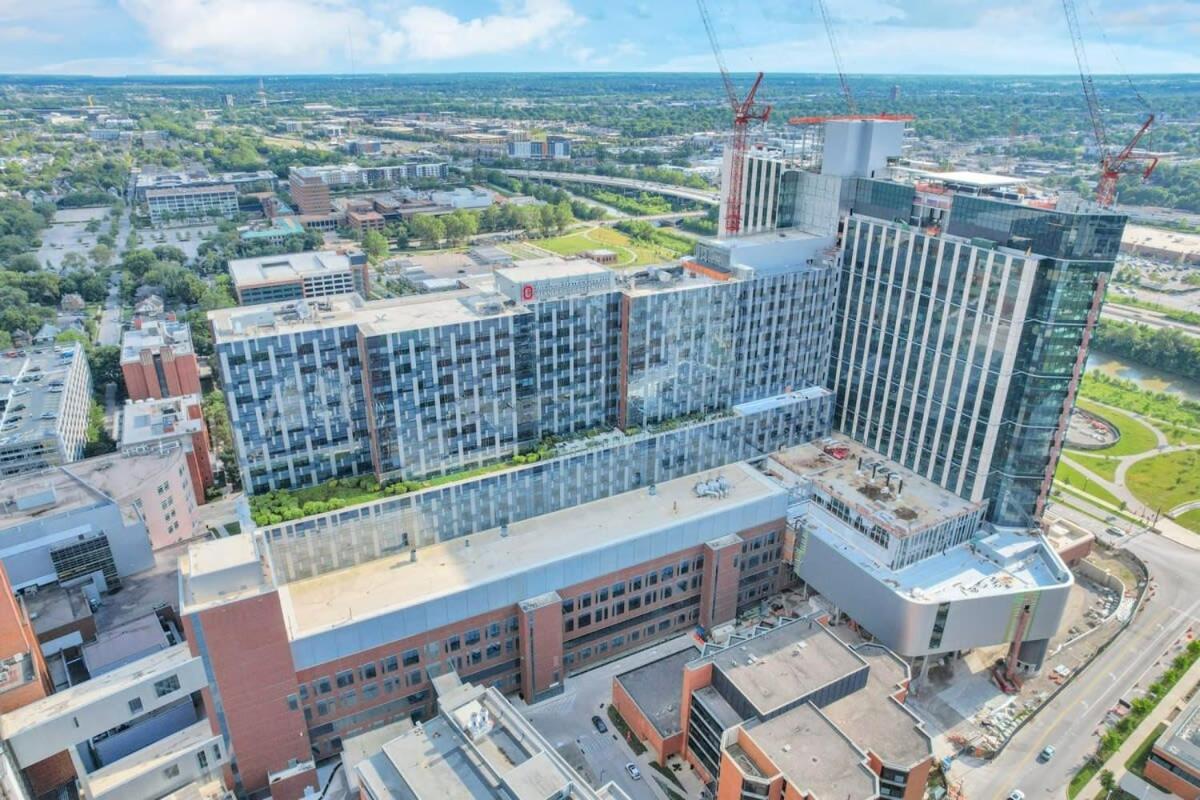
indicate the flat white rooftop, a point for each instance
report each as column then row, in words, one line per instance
column 145, row 421
column 538, row 269
column 376, row 317
column 980, row 180
column 155, row 334
column 289, row 267
column 327, row 601
column 83, row 694
column 1001, row 563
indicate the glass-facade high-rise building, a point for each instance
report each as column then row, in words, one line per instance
column 963, row 328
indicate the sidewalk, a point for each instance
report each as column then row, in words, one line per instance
column 1116, row 762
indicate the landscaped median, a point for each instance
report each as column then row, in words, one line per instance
column 1140, row 708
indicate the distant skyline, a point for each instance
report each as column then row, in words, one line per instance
column 953, row 37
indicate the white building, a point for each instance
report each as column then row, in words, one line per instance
column 911, row 562
column 191, row 203
column 296, row 276
column 46, row 396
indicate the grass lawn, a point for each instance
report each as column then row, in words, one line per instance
column 1135, row 436
column 1190, row 520
column 629, row 253
column 1166, row 481
column 1136, row 763
column 1176, row 435
column 1104, row 466
column 1068, row 475
column 518, row 250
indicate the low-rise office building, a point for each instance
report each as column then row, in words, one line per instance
column 296, row 276
column 45, row 399
column 158, row 360
column 790, row 711
column 162, row 426
column 188, row 204
column 1174, row 762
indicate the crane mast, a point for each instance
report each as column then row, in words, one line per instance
column 851, row 104
column 1112, row 165
column 744, row 112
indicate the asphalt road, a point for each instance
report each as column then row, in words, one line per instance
column 566, row 722
column 110, row 318
column 1073, row 719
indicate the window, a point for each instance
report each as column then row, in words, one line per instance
column 345, row 678
column 202, row 759
column 293, row 702
column 390, row 664
column 472, row 637
column 368, row 671
column 349, row 699
column 585, row 601
column 453, row 644
column 166, row 686
column 135, row 705
column 618, row 589
column 493, row 630
column 370, row 691
column 414, row 677
column 585, row 620
column 304, row 691
column 324, row 686
column 568, row 605
column 411, row 657
column 602, row 595
column 635, row 584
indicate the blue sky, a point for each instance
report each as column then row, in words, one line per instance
column 118, row 37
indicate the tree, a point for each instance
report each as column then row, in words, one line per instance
column 460, row 226
column 24, row 262
column 105, row 363
column 375, row 244
column 429, row 229
column 102, row 255
column 1108, row 781
column 167, row 252
column 74, row 260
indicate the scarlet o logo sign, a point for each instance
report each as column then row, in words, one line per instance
column 527, row 291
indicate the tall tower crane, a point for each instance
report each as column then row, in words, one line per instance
column 744, row 111
column 1112, row 165
column 851, row 105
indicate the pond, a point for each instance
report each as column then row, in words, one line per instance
column 1148, row 378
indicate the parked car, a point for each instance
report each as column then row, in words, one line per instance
column 1046, row 754
column 1016, row 794
column 599, row 725
column 633, row 771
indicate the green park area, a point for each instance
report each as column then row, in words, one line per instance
column 657, row 247
column 1139, row 474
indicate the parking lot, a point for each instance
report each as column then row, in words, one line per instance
column 187, row 238
column 68, row 233
column 566, row 721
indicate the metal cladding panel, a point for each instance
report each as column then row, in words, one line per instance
column 468, row 601
column 904, row 624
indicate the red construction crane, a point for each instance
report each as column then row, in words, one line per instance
column 851, row 105
column 1112, row 166
column 744, row 111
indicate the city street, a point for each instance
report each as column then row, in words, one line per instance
column 566, row 722
column 110, row 318
column 1072, row 720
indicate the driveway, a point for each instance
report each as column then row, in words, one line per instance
column 565, row 721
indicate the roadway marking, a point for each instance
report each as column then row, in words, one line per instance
column 1023, row 764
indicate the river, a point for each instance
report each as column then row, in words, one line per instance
column 1146, row 377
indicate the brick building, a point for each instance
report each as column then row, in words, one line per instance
column 158, row 360
column 789, row 712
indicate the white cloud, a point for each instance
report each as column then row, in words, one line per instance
column 429, row 34
column 116, row 67
column 226, row 34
